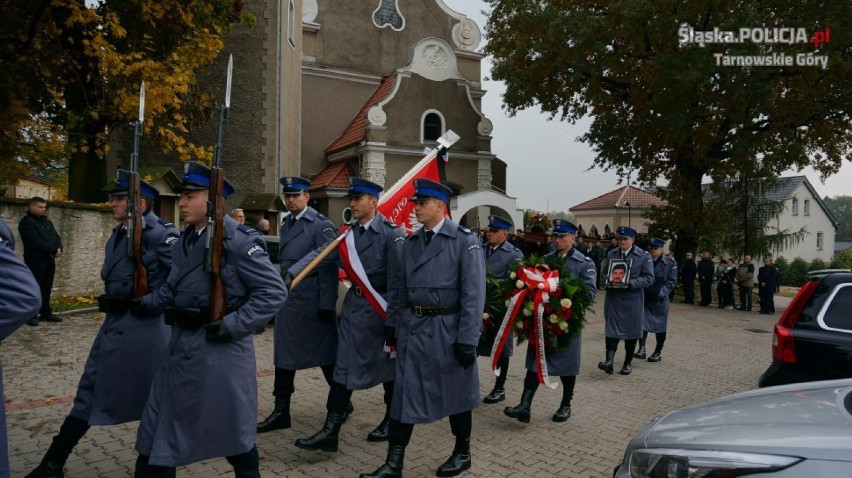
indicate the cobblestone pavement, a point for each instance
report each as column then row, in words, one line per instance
column 709, row 353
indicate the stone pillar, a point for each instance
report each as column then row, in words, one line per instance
column 483, row 177
column 373, row 167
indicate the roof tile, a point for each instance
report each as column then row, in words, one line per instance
column 357, row 129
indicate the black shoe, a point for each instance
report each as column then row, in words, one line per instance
column 641, row 354
column 455, row 464
column 47, row 469
column 393, row 464
column 34, row 321
column 325, row 439
column 279, row 418
column 655, row 357
column 496, row 395
column 522, row 412
column 51, row 318
column 563, row 413
column 626, row 368
column 380, row 433
column 607, row 366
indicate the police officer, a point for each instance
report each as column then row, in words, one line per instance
column 203, row 403
column 566, row 363
column 305, row 328
column 129, row 349
column 374, row 250
column 436, row 319
column 657, row 300
column 499, row 253
column 624, row 309
column 20, row 299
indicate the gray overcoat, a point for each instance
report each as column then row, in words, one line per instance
column 361, row 362
column 20, row 300
column 449, row 272
column 657, row 296
column 566, row 363
column 624, row 310
column 497, row 264
column 301, row 340
column 203, row 402
column 129, row 349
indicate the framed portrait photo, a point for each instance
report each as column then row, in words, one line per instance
column 618, row 273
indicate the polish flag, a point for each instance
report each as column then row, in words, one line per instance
column 396, row 204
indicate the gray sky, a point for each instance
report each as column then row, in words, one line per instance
column 547, row 165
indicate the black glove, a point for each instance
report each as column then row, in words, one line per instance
column 661, row 298
column 138, row 308
column 390, row 336
column 288, row 279
column 325, row 315
column 465, row 354
column 217, row 332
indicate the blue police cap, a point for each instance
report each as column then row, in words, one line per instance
column 497, row 222
column 428, row 189
column 294, row 184
column 359, row 187
column 197, row 176
column 562, row 226
column 625, row 231
column 657, row 242
column 122, row 185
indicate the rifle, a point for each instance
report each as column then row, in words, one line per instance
column 134, row 215
column 216, row 214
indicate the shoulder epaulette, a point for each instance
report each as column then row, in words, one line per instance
column 465, row 230
column 247, row 229
column 321, row 217
column 165, row 223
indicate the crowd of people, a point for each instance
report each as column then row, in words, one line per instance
column 411, row 322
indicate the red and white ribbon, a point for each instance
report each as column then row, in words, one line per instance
column 539, row 283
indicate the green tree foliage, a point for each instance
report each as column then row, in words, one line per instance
column 817, row 265
column 797, row 273
column 74, row 70
column 784, row 268
column 666, row 109
column 842, row 260
column 841, row 208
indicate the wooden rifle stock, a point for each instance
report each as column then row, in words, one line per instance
column 218, row 307
column 140, row 273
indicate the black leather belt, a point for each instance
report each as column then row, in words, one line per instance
column 188, row 318
column 113, row 305
column 423, row 310
column 359, row 291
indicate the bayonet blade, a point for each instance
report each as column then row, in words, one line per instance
column 142, row 102
column 228, row 84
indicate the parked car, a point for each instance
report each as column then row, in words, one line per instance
column 799, row 430
column 813, row 338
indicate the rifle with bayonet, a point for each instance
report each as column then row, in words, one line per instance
column 216, row 214
column 134, row 215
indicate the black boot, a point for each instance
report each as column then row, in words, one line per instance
column 458, row 461
column 498, row 394
column 325, row 439
column 71, row 431
column 641, row 354
column 607, row 365
column 563, row 413
column 279, row 418
column 393, row 464
column 349, row 409
column 380, row 433
column 626, row 368
column 522, row 411
column 246, row 465
column 657, row 355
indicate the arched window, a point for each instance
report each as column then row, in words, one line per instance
column 594, row 231
column 433, row 126
column 607, row 231
column 795, row 208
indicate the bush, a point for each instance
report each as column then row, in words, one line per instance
column 817, row 264
column 784, row 268
column 797, row 273
column 842, row 260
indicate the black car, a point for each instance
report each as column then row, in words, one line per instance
column 813, row 338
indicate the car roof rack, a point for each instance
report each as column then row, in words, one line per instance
column 822, row 272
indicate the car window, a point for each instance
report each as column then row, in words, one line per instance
column 835, row 313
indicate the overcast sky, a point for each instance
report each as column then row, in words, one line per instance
column 547, row 165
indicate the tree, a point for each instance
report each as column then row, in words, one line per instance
column 665, row 108
column 79, row 68
column 841, row 208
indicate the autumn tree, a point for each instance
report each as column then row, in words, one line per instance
column 664, row 107
column 78, row 68
column 841, row 208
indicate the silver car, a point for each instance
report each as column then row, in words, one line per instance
column 799, row 430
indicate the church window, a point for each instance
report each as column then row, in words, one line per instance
column 388, row 14
column 432, row 126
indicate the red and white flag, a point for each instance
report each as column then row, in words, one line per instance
column 396, row 204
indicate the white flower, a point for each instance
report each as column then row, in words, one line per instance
column 553, row 318
column 508, row 302
column 519, row 284
column 485, row 316
column 512, row 275
column 565, row 303
column 519, row 324
column 527, row 312
column 563, row 325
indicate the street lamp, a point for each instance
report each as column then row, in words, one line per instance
column 628, row 213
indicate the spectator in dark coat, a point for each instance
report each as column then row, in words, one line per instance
column 768, row 279
column 42, row 246
column 687, row 278
column 745, row 281
column 706, row 270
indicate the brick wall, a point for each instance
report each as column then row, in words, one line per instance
column 84, row 230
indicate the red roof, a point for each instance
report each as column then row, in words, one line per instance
column 357, row 129
column 638, row 199
column 335, row 175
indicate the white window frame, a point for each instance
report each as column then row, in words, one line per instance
column 423, row 124
column 820, row 240
column 291, row 23
column 795, row 207
column 806, row 207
